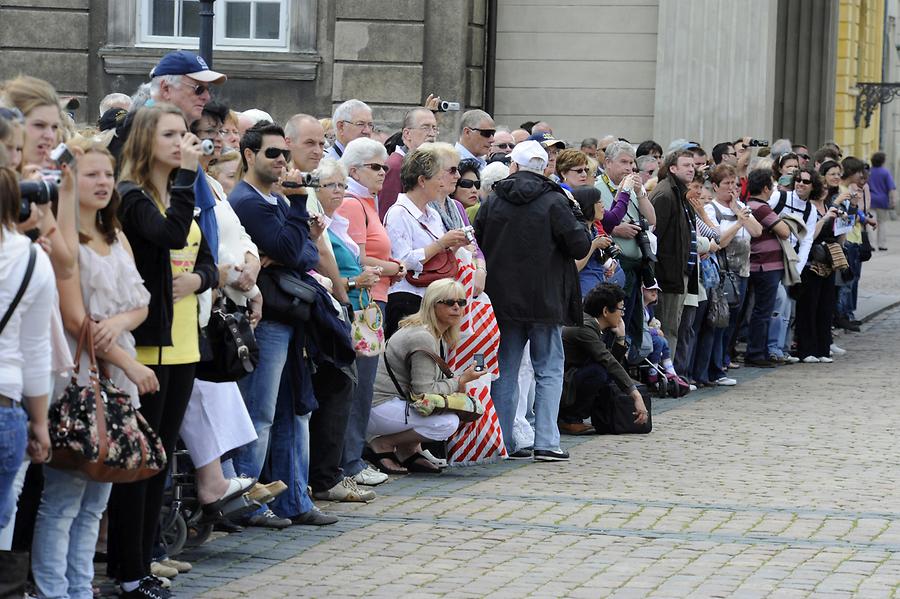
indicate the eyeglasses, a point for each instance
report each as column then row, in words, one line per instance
column 227, row 132
column 581, row 171
column 484, row 132
column 804, row 181
column 272, row 153
column 361, row 124
column 454, row 302
column 505, row 145
column 338, row 186
column 453, row 170
column 429, row 129
column 620, row 309
column 12, row 114
column 469, row 183
column 212, row 132
column 378, row 167
column 199, row 89
column 803, row 156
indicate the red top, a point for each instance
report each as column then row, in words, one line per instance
column 391, row 188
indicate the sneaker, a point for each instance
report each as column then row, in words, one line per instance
column 692, row 387
column 810, row 360
column 551, row 455
column 776, row 358
column 158, row 569
column 346, row 490
column 726, row 382
column 150, row 587
column 837, row 351
column 734, row 366
column 521, row 454
column 268, row 519
column 845, row 323
column 182, row 567
column 261, row 493
column 825, row 360
column 369, row 477
column 314, row 517
column 760, row 363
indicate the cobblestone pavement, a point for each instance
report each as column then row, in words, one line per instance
column 784, row 486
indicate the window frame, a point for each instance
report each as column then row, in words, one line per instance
column 144, row 38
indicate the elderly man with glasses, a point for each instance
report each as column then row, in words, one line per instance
column 476, row 136
column 419, row 126
column 503, row 143
column 352, row 119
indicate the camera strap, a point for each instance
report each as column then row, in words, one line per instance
column 32, row 257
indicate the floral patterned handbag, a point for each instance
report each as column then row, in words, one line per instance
column 96, row 430
column 367, row 330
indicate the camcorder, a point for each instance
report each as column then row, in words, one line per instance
column 758, row 143
column 446, row 106
column 306, row 180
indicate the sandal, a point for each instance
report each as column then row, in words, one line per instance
column 236, row 488
column 419, row 463
column 379, row 460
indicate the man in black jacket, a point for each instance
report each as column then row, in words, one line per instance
column 676, row 232
column 531, row 236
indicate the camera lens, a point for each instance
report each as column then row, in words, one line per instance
column 207, row 147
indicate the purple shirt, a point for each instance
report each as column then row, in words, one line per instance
column 880, row 185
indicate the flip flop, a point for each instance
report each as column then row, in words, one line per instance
column 419, row 463
column 379, row 461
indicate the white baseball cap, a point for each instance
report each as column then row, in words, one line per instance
column 530, row 155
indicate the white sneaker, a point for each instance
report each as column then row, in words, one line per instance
column 692, row 387
column 369, row 477
column 788, row 359
column 346, row 490
column 837, row 351
column 825, row 360
column 810, row 360
column 726, row 382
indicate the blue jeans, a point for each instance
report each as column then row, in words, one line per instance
column 734, row 315
column 765, row 292
column 65, row 534
column 847, row 294
column 547, row 357
column 289, row 455
column 13, row 440
column 361, row 404
column 781, row 320
column 660, row 351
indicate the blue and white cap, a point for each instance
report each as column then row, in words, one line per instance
column 186, row 63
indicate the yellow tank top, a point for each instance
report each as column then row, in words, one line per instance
column 185, row 347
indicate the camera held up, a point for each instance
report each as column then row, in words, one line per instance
column 35, row 192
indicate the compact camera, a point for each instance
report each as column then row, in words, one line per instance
column 207, row 147
column 446, row 106
column 470, row 233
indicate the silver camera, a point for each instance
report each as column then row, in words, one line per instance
column 207, row 147
column 470, row 233
column 446, row 106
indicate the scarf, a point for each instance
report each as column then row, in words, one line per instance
column 450, row 215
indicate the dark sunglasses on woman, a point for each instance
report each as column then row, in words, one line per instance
column 469, row 184
column 454, row 302
column 378, row 167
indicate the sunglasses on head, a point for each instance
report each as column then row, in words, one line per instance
column 272, row 153
column 469, row 183
column 378, row 167
column 484, row 132
column 454, row 302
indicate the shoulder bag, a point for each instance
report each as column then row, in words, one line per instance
column 469, row 409
column 286, row 298
column 29, row 270
column 96, row 430
column 228, row 349
column 440, row 266
column 730, row 286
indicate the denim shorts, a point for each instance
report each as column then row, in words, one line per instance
column 13, row 439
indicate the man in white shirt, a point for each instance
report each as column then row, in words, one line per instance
column 476, row 136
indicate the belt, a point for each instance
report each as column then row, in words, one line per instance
column 6, row 402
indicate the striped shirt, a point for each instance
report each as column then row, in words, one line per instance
column 765, row 250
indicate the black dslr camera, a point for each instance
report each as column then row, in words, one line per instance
column 35, row 192
column 643, row 240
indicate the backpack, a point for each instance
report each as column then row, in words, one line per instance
column 782, row 204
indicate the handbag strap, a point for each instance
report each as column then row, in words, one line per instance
column 421, row 224
column 29, row 270
column 445, row 369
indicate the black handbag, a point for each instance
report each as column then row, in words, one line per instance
column 613, row 413
column 730, row 287
column 865, row 248
column 228, row 349
column 286, row 298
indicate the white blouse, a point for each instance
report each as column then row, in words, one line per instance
column 404, row 224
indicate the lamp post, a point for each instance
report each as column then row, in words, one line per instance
column 206, row 31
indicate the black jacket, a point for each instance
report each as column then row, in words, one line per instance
column 673, row 233
column 531, row 239
column 586, row 344
column 152, row 235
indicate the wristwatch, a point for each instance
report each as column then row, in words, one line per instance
column 351, row 284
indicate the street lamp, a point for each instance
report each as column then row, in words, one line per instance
column 206, row 31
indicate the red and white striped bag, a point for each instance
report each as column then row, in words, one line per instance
column 480, row 441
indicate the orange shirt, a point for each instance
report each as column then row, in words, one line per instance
column 359, row 211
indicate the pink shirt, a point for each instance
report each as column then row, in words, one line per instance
column 359, row 211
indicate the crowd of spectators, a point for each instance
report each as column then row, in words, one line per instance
column 538, row 276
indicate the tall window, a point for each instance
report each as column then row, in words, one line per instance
column 238, row 24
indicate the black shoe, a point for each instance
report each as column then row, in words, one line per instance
column 226, row 525
column 549, row 455
column 314, row 518
column 150, row 587
column 760, row 363
column 846, row 324
column 521, row 454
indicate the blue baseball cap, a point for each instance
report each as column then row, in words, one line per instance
column 547, row 140
column 186, row 63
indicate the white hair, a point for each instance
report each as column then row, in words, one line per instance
column 113, row 100
column 344, row 112
column 493, row 172
column 141, row 95
column 361, row 150
column 256, row 115
column 618, row 147
column 781, row 146
column 156, row 84
column 328, row 168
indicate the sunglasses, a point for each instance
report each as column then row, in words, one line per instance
column 484, row 132
column 803, row 156
column 581, row 171
column 454, row 302
column 804, row 181
column 199, row 89
column 272, row 153
column 469, row 184
column 453, row 170
column 378, row 167
column 506, row 145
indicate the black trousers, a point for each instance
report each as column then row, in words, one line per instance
column 134, row 507
column 591, row 381
column 400, row 304
column 328, row 426
column 815, row 310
